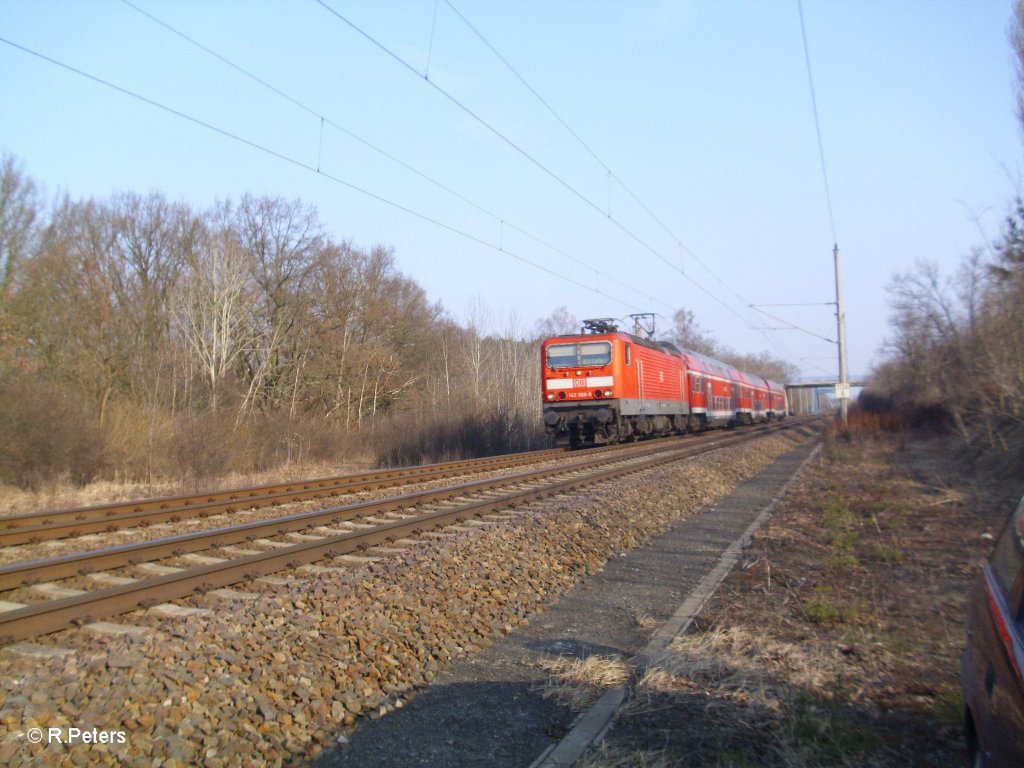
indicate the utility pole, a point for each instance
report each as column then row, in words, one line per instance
column 843, row 388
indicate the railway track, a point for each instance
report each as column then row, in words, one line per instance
column 62, row 523
column 243, row 552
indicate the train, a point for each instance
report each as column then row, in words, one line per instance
column 604, row 386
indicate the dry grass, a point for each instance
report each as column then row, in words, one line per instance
column 605, row 756
column 647, row 623
column 742, row 675
column 63, row 494
column 578, row 683
column 748, row 650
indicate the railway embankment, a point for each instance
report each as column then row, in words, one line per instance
column 276, row 676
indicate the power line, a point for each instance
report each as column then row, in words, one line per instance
column 380, row 46
column 406, row 65
column 843, row 389
column 370, row 145
column 299, row 164
column 430, row 50
column 800, row 304
column 602, row 163
column 592, row 153
column 817, row 122
column 528, row 87
column 792, row 326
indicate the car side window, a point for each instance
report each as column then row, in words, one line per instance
column 1006, row 562
column 1007, row 559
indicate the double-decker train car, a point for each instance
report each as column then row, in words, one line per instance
column 604, row 386
column 777, row 404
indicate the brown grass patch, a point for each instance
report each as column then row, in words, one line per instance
column 578, row 683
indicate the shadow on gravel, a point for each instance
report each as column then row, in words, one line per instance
column 461, row 725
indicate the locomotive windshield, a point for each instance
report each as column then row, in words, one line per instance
column 587, row 354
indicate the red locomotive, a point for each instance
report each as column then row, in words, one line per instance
column 604, row 386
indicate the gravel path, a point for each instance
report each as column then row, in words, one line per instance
column 490, row 710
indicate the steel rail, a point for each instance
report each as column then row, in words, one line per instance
column 15, row 575
column 51, row 616
column 63, row 523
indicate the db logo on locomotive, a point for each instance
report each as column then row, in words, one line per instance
column 579, row 383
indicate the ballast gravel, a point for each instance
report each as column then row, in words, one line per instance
column 280, row 670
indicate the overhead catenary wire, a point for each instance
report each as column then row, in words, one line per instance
column 430, row 49
column 843, row 389
column 817, row 121
column 613, row 176
column 541, row 166
column 406, row 65
column 571, row 131
column 611, row 173
column 384, row 153
column 322, row 157
column 305, row 166
column 527, row 85
column 794, row 326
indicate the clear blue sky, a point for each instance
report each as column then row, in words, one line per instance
column 702, row 109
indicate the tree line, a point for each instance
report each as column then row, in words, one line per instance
column 956, row 347
column 141, row 339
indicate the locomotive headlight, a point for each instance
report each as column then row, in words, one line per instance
column 607, row 393
column 551, row 395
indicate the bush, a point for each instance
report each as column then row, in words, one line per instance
column 203, row 447
column 135, row 445
column 46, row 432
column 277, row 440
column 403, row 441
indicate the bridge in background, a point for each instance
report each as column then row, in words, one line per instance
column 811, row 394
column 810, row 382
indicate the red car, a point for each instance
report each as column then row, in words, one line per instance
column 993, row 661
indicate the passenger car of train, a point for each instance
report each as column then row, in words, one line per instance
column 604, row 386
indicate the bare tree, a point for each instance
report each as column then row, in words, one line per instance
column 212, row 310
column 687, row 333
column 474, row 350
column 20, row 208
column 558, row 323
column 282, row 240
column 1017, row 43
column 67, row 309
column 140, row 309
column 152, row 239
column 955, row 344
